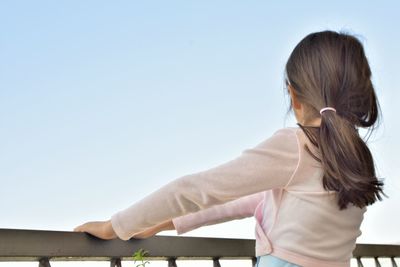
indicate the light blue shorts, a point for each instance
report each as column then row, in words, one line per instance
column 272, row 261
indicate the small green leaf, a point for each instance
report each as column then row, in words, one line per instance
column 140, row 256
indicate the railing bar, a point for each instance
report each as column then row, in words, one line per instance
column 394, row 264
column 44, row 262
column 359, row 262
column 22, row 245
column 216, row 262
column 172, row 262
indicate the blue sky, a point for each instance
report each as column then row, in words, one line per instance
column 101, row 103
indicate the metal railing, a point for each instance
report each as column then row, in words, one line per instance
column 43, row 246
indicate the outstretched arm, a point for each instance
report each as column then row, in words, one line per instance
column 236, row 209
column 270, row 164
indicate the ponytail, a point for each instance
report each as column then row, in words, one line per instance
column 347, row 161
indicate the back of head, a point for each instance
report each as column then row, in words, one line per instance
column 330, row 69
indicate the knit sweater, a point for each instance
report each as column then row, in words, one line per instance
column 279, row 183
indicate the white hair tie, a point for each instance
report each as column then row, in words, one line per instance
column 327, row 108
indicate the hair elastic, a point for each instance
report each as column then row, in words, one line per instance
column 327, row 108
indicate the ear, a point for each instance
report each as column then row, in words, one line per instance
column 295, row 103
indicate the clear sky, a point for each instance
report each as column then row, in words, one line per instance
column 103, row 102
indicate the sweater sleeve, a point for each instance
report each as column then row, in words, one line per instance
column 270, row 164
column 233, row 210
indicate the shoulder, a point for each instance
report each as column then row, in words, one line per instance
column 289, row 132
column 283, row 143
column 285, row 137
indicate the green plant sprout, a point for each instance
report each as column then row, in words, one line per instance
column 140, row 256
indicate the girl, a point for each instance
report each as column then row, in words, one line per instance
column 308, row 186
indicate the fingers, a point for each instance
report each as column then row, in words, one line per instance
column 145, row 234
column 78, row 229
column 81, row 228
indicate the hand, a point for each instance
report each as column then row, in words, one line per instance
column 149, row 232
column 100, row 229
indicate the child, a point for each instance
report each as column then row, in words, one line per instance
column 307, row 186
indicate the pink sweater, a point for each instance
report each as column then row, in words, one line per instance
column 279, row 183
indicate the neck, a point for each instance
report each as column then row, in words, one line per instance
column 312, row 123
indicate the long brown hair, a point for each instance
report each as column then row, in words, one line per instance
column 330, row 69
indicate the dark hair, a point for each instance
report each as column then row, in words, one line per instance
column 330, row 69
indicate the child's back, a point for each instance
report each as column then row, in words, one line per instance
column 299, row 222
column 305, row 218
